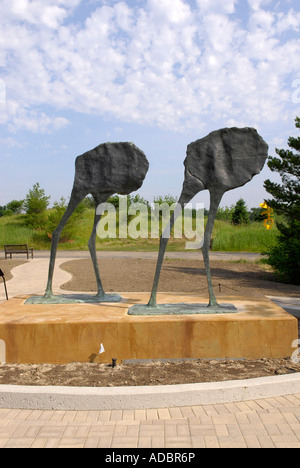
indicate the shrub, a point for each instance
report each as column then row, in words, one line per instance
column 284, row 257
column 69, row 231
column 35, row 205
column 240, row 214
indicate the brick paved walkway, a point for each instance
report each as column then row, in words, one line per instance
column 268, row 423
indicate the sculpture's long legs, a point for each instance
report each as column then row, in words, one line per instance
column 190, row 188
column 92, row 244
column 162, row 249
column 215, row 199
column 186, row 195
column 74, row 202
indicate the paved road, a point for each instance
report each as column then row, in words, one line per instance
column 153, row 255
column 265, row 422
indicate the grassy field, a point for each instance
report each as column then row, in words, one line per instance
column 226, row 237
column 253, row 237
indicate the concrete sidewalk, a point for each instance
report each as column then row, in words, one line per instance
column 31, row 278
column 186, row 254
column 262, row 421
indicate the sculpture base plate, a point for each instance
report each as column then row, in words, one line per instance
column 64, row 333
column 74, row 299
column 181, row 309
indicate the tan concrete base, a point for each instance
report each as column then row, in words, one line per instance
column 74, row 332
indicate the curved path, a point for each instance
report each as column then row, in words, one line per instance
column 186, row 254
column 31, row 278
column 261, row 421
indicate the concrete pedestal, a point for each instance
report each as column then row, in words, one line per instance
column 63, row 333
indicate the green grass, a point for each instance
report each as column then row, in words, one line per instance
column 252, row 237
column 14, row 231
column 226, row 237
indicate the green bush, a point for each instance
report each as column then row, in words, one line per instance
column 285, row 256
column 284, row 259
column 55, row 215
column 240, row 214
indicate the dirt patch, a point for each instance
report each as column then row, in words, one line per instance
column 130, row 275
column 156, row 373
column 136, row 275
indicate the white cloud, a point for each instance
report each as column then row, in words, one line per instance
column 258, row 4
column 18, row 118
column 263, row 19
column 288, row 22
column 219, row 6
column 168, row 63
column 38, row 12
column 170, row 11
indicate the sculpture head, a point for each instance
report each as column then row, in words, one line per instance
column 112, row 168
column 227, row 158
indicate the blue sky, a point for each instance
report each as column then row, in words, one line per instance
column 160, row 73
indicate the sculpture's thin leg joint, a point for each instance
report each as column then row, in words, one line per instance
column 93, row 253
column 185, row 197
column 74, row 201
column 99, row 198
column 215, row 199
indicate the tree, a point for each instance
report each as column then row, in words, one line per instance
column 256, row 215
column 240, row 214
column 13, row 207
column 4, row 211
column 169, row 199
column 114, row 200
column 225, row 214
column 16, row 206
column 88, row 202
column 35, row 206
column 284, row 257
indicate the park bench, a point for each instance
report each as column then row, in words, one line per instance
column 18, row 249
